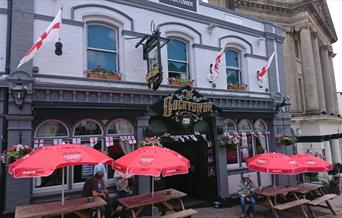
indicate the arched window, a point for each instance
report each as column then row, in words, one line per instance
column 260, row 125
column 88, row 128
column 51, row 129
column 233, row 68
column 229, row 125
column 178, row 63
column 245, row 125
column 120, row 127
column 102, row 48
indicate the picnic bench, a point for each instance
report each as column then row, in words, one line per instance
column 272, row 192
column 51, row 209
column 138, row 202
column 320, row 196
column 181, row 214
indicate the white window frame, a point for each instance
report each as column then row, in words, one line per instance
column 116, row 29
column 110, row 123
column 179, row 61
column 239, row 69
column 54, row 188
column 85, row 138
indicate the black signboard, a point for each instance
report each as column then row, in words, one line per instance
column 185, row 106
column 185, row 4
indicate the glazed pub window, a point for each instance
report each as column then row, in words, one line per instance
column 178, row 64
column 261, row 140
column 233, row 68
column 102, row 48
column 46, row 132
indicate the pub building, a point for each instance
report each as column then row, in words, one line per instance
column 136, row 69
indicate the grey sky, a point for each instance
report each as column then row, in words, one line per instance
column 335, row 7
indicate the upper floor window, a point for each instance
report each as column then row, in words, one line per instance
column 177, row 53
column 102, row 53
column 233, row 68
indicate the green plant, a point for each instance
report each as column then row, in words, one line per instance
column 14, row 153
column 286, row 139
column 336, row 169
column 229, row 142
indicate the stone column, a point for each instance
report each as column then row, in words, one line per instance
column 310, row 81
column 333, row 81
column 327, row 80
column 319, row 77
column 335, row 150
column 144, row 181
column 291, row 71
column 327, row 149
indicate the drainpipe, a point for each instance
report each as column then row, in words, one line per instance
column 5, row 104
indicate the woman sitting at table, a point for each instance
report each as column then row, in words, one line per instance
column 246, row 191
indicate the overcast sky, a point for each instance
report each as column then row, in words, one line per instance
column 335, row 7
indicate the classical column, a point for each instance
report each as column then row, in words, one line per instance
column 333, row 81
column 310, row 81
column 291, row 71
column 335, row 150
column 319, row 77
column 327, row 80
column 327, row 149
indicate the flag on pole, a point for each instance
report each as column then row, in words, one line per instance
column 263, row 71
column 51, row 34
column 216, row 65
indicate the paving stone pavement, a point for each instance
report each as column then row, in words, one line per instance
column 260, row 212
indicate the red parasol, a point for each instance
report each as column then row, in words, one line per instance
column 152, row 161
column 45, row 160
column 275, row 163
column 312, row 164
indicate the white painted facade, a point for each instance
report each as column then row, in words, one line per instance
column 131, row 64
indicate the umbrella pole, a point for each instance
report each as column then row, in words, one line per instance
column 62, row 189
column 152, row 196
column 274, row 186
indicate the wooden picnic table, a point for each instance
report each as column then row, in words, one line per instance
column 319, row 196
column 51, row 209
column 272, row 192
column 138, row 202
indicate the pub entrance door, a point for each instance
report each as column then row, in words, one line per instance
column 193, row 183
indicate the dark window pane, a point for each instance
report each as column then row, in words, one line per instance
column 101, row 37
column 176, row 50
column 232, row 58
column 87, row 127
column 106, row 60
column 54, row 179
column 177, row 67
column 232, row 76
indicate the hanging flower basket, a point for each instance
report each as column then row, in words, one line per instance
column 14, row 153
column 286, row 140
column 180, row 82
column 150, row 141
column 237, row 87
column 103, row 75
column 229, row 142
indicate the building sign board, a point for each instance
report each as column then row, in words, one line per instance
column 185, row 4
column 185, row 106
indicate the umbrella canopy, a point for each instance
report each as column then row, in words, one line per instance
column 152, row 161
column 275, row 163
column 312, row 164
column 45, row 160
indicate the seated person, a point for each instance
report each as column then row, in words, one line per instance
column 95, row 187
column 245, row 190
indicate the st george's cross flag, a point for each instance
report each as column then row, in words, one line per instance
column 264, row 69
column 216, row 65
column 50, row 35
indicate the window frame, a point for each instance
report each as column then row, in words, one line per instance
column 239, row 69
column 53, row 188
column 116, row 29
column 187, row 62
column 118, row 135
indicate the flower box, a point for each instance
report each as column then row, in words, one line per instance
column 237, row 87
column 103, row 75
column 14, row 153
column 180, row 82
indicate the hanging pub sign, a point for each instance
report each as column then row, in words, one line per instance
column 185, row 106
column 151, row 53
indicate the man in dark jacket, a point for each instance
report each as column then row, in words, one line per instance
column 95, row 187
column 245, row 190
